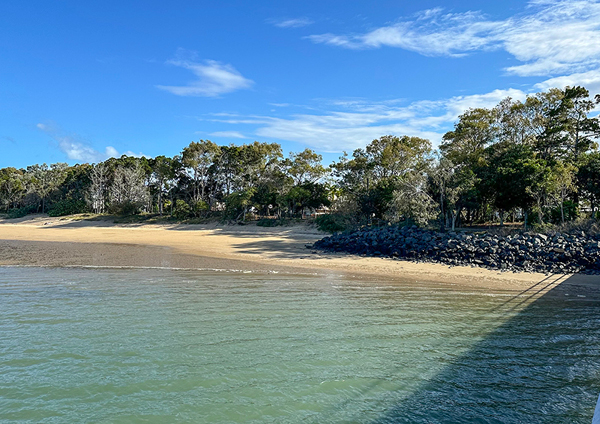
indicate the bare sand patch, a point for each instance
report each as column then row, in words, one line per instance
column 44, row 241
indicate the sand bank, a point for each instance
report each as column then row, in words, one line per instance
column 44, row 241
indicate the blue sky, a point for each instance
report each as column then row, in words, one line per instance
column 83, row 81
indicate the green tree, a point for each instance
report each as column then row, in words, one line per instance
column 304, row 167
column 513, row 177
column 163, row 173
column 197, row 158
column 474, row 132
column 562, row 184
column 12, row 187
column 372, row 175
column 588, row 179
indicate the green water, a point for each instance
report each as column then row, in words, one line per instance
column 174, row 346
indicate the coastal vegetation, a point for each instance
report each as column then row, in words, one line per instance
column 534, row 161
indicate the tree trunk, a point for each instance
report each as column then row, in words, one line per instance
column 442, row 217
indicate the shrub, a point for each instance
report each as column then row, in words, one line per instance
column 198, row 207
column 267, row 222
column 181, row 210
column 67, row 207
column 332, row 223
column 20, row 212
column 125, row 208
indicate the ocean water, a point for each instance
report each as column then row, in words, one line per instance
column 81, row 345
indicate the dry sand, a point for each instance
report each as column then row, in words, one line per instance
column 44, row 241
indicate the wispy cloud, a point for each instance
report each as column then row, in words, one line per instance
column 354, row 123
column 589, row 80
column 346, row 124
column 549, row 37
column 228, row 134
column 78, row 150
column 212, row 79
column 291, row 23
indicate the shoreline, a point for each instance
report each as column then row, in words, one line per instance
column 61, row 242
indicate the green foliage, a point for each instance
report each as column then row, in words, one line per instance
column 373, row 174
column 588, row 178
column 68, row 207
column 570, row 210
column 305, row 167
column 333, row 223
column 20, row 212
column 237, row 203
column 124, row 208
column 536, row 157
column 198, row 207
column 269, row 222
column 181, row 210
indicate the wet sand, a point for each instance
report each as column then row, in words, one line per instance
column 44, row 241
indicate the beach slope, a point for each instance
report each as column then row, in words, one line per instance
column 44, row 241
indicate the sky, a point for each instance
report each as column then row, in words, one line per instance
column 81, row 81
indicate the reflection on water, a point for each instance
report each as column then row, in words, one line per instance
column 157, row 346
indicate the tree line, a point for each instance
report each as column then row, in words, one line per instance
column 535, row 161
column 204, row 180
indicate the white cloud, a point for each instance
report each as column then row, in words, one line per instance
column 228, row 134
column 76, row 149
column 212, row 79
column 291, row 23
column 589, row 80
column 550, row 37
column 357, row 122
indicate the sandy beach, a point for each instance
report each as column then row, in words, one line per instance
column 45, row 241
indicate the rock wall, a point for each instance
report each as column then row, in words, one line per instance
column 555, row 253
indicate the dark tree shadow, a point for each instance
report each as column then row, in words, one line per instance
column 540, row 366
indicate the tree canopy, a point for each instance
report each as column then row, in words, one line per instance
column 535, row 160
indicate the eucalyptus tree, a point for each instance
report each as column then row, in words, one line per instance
column 260, row 177
column 472, row 134
column 372, row 175
column 98, row 189
column 128, row 193
column 43, row 179
column 303, row 173
column 227, row 167
column 452, row 186
column 197, row 159
column 76, row 182
column 162, row 177
column 304, row 167
column 412, row 201
column 12, row 187
column 563, row 183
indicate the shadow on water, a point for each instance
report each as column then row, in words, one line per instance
column 540, row 366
